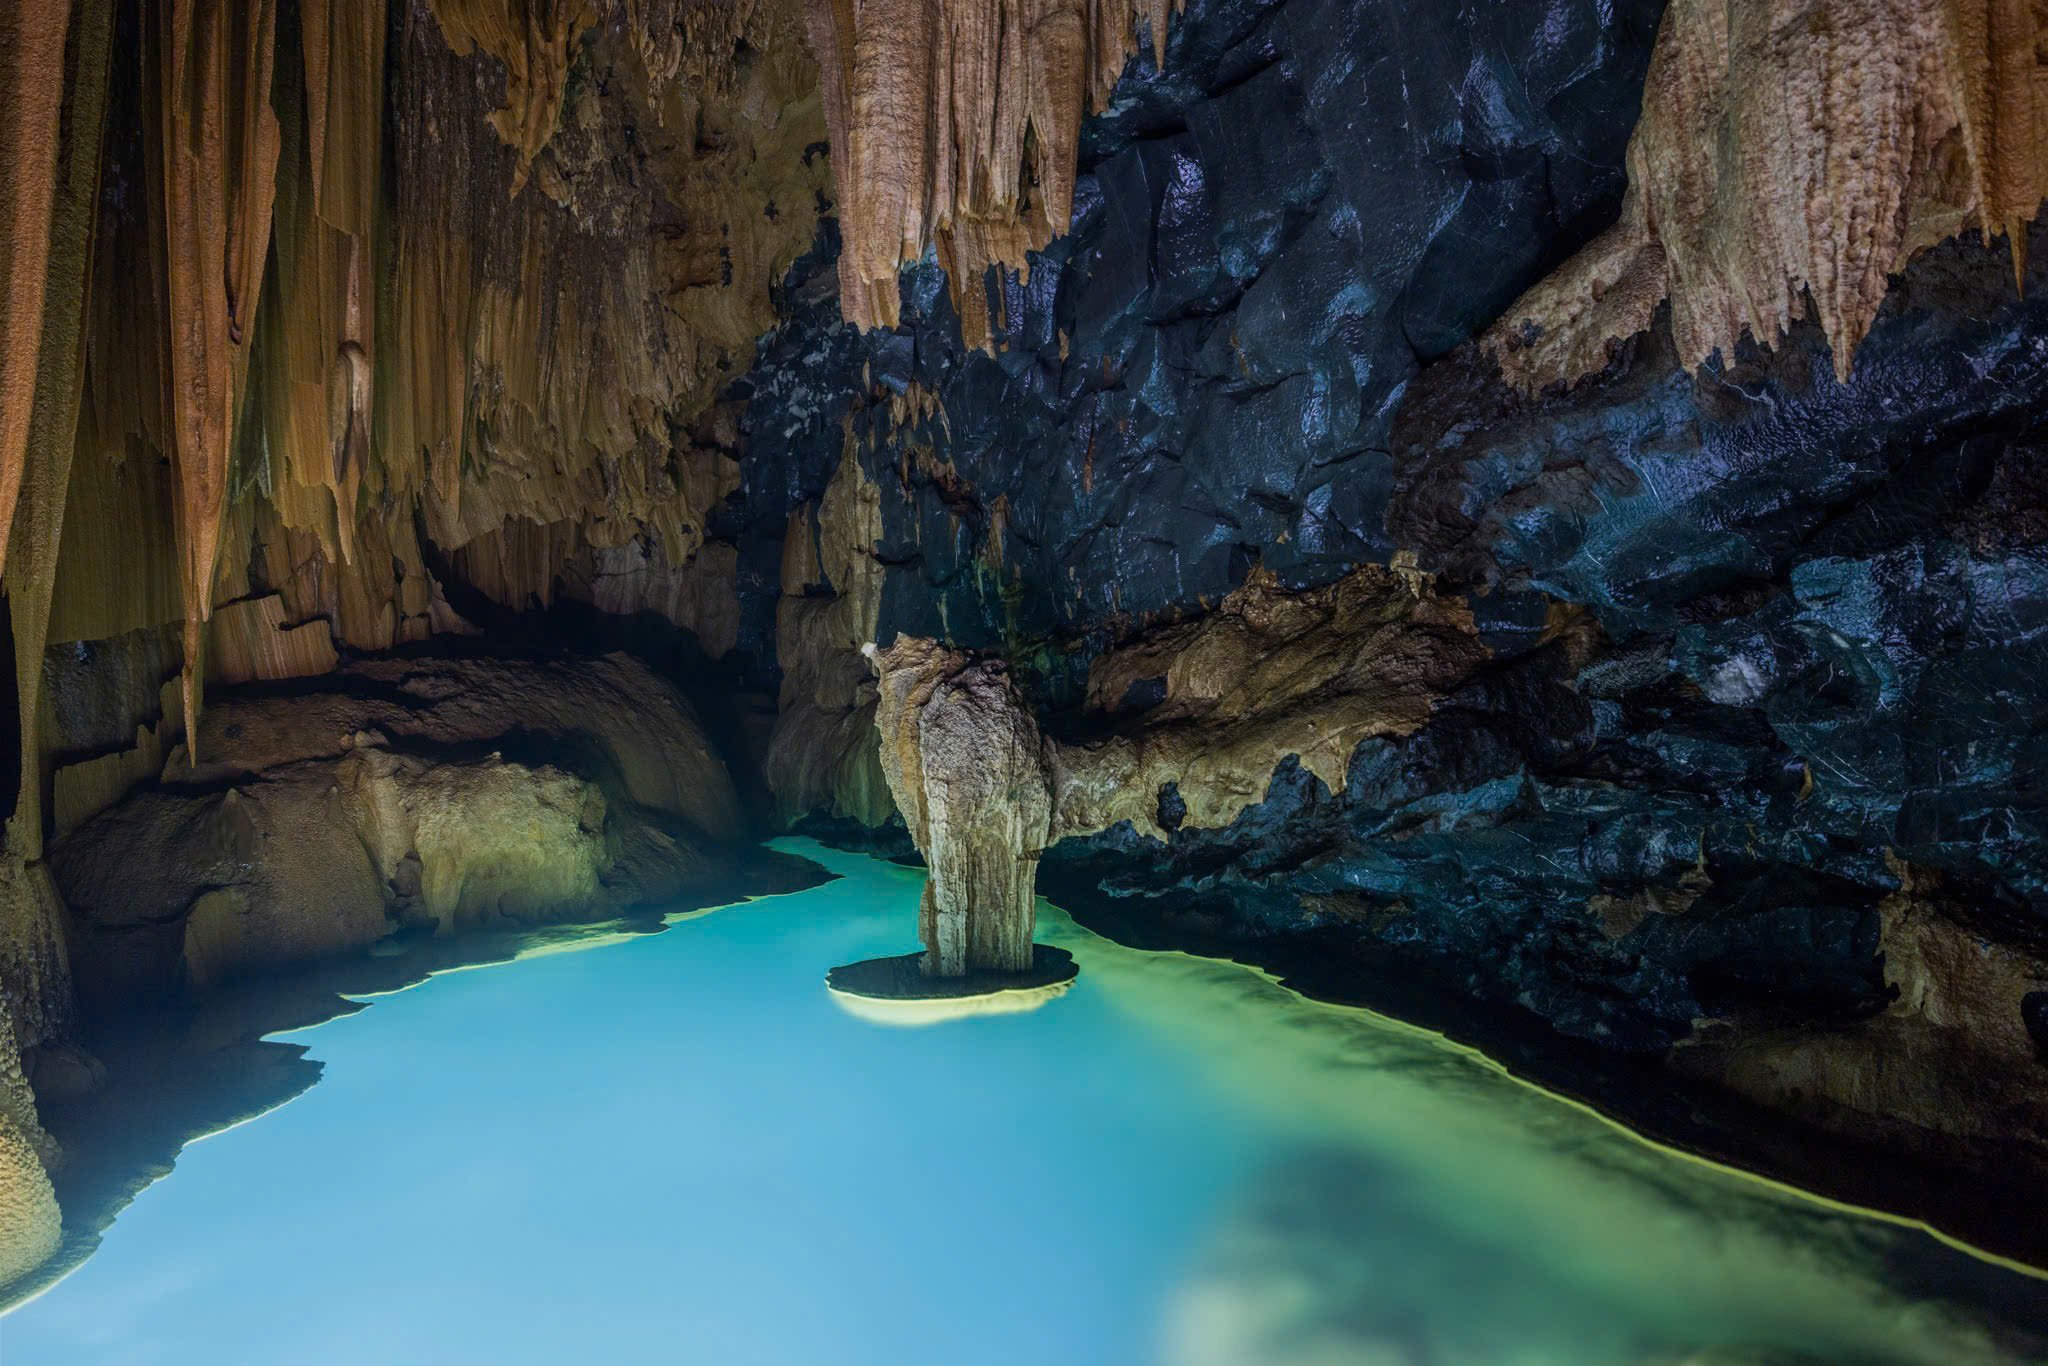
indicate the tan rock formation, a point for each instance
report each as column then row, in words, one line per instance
column 1268, row 674
column 549, row 348
column 958, row 124
column 35, row 966
column 35, row 474
column 252, row 641
column 489, row 334
column 31, row 1225
column 1791, row 150
column 442, row 794
column 216, row 165
column 534, row 40
column 961, row 753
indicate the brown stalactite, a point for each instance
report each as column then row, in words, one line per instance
column 219, row 150
column 319, row 343
column 52, row 428
column 544, row 352
column 956, row 124
column 32, row 73
column 1789, row 152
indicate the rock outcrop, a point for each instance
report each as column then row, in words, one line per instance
column 426, row 795
column 963, row 759
column 1201, row 714
column 30, row 1222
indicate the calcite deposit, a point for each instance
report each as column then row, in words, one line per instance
column 1790, row 159
column 956, row 127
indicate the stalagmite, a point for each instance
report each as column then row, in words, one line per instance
column 962, row 755
column 31, row 1226
column 957, row 125
column 1779, row 160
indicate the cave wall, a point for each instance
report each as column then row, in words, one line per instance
column 1747, row 759
column 1272, row 233
column 342, row 308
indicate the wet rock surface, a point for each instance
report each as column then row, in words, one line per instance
column 1747, row 754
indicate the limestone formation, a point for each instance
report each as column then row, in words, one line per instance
column 30, row 1224
column 217, row 167
column 1267, row 675
column 32, row 64
column 435, row 795
column 1949, row 1058
column 535, row 41
column 511, row 336
column 961, row 754
column 38, row 469
column 956, row 125
column 1790, row 159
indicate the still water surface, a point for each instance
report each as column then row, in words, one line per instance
column 677, row 1148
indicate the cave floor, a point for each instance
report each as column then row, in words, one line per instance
column 674, row 1146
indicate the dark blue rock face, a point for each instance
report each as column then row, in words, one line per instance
column 1269, row 239
column 1819, row 611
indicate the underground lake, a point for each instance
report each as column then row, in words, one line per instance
column 679, row 1147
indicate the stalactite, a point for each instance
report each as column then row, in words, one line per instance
column 957, row 125
column 42, row 476
column 556, row 360
column 319, row 333
column 1780, row 162
column 32, row 72
column 218, row 167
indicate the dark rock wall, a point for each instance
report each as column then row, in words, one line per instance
column 1316, row 198
column 1814, row 611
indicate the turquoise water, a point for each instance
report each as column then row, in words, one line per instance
column 677, row 1148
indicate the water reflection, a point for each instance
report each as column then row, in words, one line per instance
column 1425, row 1206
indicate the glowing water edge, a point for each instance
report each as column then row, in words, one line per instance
column 677, row 1148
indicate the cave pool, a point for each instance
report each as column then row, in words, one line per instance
column 676, row 1147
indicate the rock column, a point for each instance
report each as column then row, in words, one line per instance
column 962, row 756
